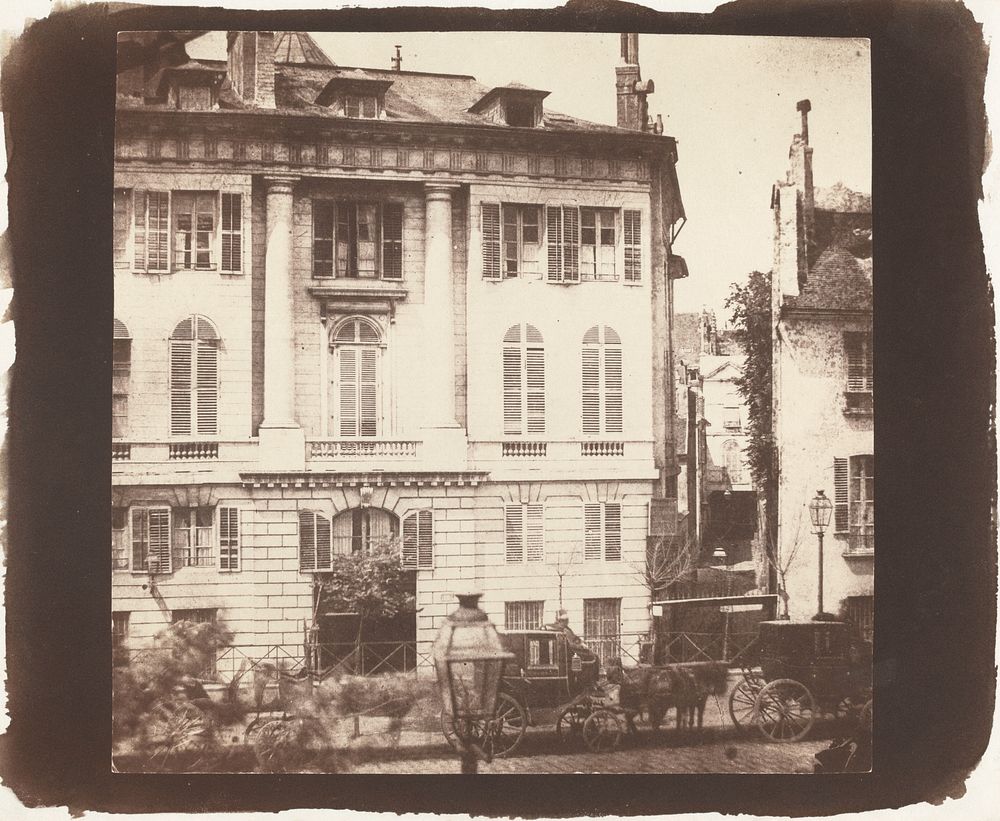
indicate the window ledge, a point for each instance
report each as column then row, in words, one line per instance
column 858, row 554
column 860, row 412
column 358, row 288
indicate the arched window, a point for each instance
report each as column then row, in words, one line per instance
column 360, row 529
column 194, row 378
column 121, row 368
column 602, row 381
column 733, row 455
column 357, row 348
column 523, row 381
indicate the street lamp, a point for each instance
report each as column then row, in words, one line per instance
column 820, row 509
column 469, row 661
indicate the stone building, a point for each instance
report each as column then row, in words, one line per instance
column 822, row 307
column 362, row 304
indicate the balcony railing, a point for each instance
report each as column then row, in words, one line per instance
column 121, row 451
column 520, row 450
column 561, row 450
column 602, row 449
column 188, row 450
column 193, row 450
column 319, row 449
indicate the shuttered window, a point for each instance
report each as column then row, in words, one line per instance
column 854, row 500
column 841, row 504
column 151, row 230
column 121, row 369
column 632, row 237
column 602, row 531
column 858, row 350
column 563, row 241
column 151, row 539
column 489, row 215
column 601, row 381
column 357, row 356
column 418, row 540
column 229, row 539
column 315, row 551
column 357, row 239
column 598, row 246
column 194, row 229
column 232, row 232
column 524, row 533
column 194, row 378
column 523, row 381
column 193, row 536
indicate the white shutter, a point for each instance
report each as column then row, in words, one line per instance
column 180, row 387
column 612, row 388
column 591, row 389
column 139, row 229
column 490, row 223
column 553, row 218
column 157, row 231
column 512, row 393
column 592, row 531
column 425, row 540
column 612, row 532
column 368, row 408
column 348, row 390
column 307, row 541
column 154, row 537
column 207, row 388
column 324, row 549
column 410, row 533
column 859, row 362
column 535, row 389
column 571, row 244
column 841, row 504
column 514, row 533
column 392, row 240
column 632, row 222
column 232, row 232
column 229, row 538
column 535, row 541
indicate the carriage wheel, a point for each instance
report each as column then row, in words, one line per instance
column 508, row 726
column 179, row 727
column 741, row 702
column 602, row 731
column 448, row 728
column 569, row 724
column 784, row 710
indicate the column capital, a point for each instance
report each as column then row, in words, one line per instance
column 280, row 183
column 440, row 190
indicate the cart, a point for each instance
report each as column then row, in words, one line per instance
column 795, row 672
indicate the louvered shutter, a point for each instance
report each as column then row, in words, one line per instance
column 841, row 496
column 553, row 221
column 512, row 390
column 859, row 363
column 535, row 385
column 140, row 538
column 324, row 547
column 591, row 389
column 229, row 538
column 139, row 229
column 612, row 388
column 152, row 230
column 121, row 225
column 425, row 540
column 632, row 231
column 208, row 387
column 180, row 387
column 535, row 541
column 348, row 391
column 571, row 244
column 392, row 240
column 410, row 535
column 612, row 532
column 159, row 537
column 307, row 541
column 368, row 409
column 514, row 533
column 490, row 219
column 232, row 232
column 592, row 531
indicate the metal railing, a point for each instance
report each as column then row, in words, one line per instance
column 682, row 645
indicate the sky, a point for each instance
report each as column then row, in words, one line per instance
column 729, row 102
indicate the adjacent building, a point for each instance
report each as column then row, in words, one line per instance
column 822, row 343
column 358, row 305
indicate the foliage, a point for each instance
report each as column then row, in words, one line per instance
column 751, row 319
column 781, row 561
column 390, row 695
column 668, row 559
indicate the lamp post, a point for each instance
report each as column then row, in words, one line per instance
column 469, row 661
column 820, row 509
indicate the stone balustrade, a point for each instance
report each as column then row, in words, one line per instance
column 322, row 449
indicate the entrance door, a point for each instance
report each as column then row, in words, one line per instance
column 602, row 628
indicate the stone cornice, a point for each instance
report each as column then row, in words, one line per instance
column 360, row 478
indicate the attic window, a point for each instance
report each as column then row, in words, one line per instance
column 513, row 105
column 355, row 95
column 361, row 107
column 521, row 113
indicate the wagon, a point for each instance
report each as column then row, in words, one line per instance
column 548, row 681
column 806, row 670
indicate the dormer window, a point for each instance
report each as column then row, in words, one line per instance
column 189, row 87
column 356, row 95
column 514, row 105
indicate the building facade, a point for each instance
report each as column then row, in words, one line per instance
column 361, row 305
column 823, row 381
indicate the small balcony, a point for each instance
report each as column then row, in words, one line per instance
column 136, row 456
column 573, row 457
column 321, row 452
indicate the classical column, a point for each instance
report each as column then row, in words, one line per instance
column 444, row 442
column 439, row 308
column 281, row 439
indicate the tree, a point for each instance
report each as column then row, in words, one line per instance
column 565, row 560
column 668, row 559
column 752, row 322
column 369, row 583
column 780, row 561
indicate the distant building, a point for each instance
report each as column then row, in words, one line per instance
column 822, row 307
column 355, row 305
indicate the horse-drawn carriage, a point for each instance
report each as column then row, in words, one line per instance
column 806, row 670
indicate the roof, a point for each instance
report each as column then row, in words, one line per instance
column 513, row 89
column 841, row 199
column 299, row 47
column 839, row 281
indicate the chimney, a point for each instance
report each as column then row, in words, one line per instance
column 793, row 204
column 397, row 61
column 633, row 111
column 251, row 66
column 801, row 176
